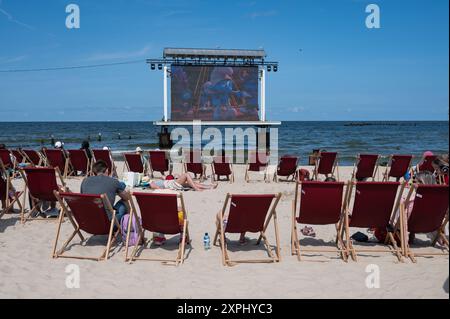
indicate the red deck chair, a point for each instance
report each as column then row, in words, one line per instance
column 286, row 167
column 373, row 206
column 134, row 163
column 33, row 157
column 10, row 199
column 327, row 164
column 159, row 213
column 56, row 158
column 429, row 214
column 249, row 213
column 87, row 213
column 105, row 155
column 222, row 166
column 193, row 164
column 320, row 203
column 257, row 162
column 426, row 164
column 5, row 160
column 366, row 167
column 398, row 166
column 79, row 161
column 41, row 183
column 158, row 162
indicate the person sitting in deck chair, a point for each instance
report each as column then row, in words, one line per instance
column 101, row 183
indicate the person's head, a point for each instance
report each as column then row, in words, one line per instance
column 2, row 146
column 330, row 179
column 85, row 145
column 105, row 148
column 425, row 178
column 100, row 167
column 440, row 164
column 139, row 150
column 59, row 144
column 426, row 154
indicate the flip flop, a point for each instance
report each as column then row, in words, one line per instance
column 308, row 231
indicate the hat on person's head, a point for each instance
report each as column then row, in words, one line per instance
column 105, row 148
column 428, row 153
column 138, row 149
column 59, row 144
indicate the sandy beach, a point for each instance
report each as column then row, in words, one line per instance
column 28, row 271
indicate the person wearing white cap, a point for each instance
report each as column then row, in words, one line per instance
column 105, row 148
column 59, row 144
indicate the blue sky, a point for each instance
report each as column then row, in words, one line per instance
column 344, row 71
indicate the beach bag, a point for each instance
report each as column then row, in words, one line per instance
column 134, row 235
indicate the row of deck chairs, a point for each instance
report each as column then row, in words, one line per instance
column 375, row 205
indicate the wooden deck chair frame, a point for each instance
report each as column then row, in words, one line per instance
column 181, row 249
column 203, row 175
column 231, row 176
column 66, row 163
column 14, row 165
column 28, row 159
column 66, row 212
column 34, row 201
column 266, row 168
column 10, row 201
column 226, row 261
column 334, row 172
column 388, row 167
column 355, row 167
column 341, row 248
column 345, row 221
column 402, row 225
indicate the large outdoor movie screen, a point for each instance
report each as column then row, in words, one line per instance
column 211, row 93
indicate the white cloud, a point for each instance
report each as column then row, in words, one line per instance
column 297, row 109
column 19, row 58
column 119, row 54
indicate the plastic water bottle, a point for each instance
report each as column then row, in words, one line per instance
column 206, row 242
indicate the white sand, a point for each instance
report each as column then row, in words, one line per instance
column 28, row 271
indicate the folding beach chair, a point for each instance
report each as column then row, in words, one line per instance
column 87, row 213
column 286, row 167
column 134, row 163
column 426, row 164
column 373, row 207
column 33, row 157
column 429, row 214
column 79, row 161
column 257, row 162
column 320, row 203
column 40, row 182
column 365, row 167
column 6, row 162
column 326, row 164
column 10, row 199
column 56, row 158
column 158, row 162
column 222, row 166
column 398, row 166
column 249, row 213
column 159, row 213
column 105, row 155
column 193, row 164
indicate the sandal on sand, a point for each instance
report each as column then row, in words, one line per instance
column 308, row 231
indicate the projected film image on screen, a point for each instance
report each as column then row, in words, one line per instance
column 211, row 93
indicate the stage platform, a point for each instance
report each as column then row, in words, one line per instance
column 217, row 123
